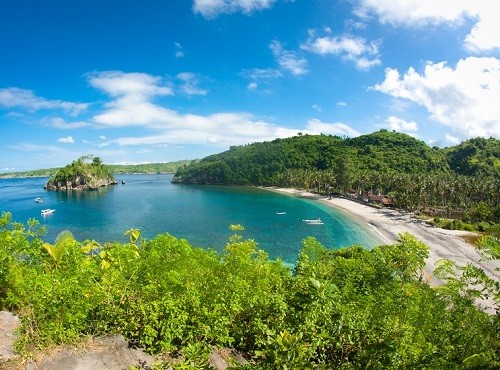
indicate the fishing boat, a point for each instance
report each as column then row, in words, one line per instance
column 316, row 221
column 47, row 211
column 38, row 200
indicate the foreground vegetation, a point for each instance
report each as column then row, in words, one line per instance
column 346, row 309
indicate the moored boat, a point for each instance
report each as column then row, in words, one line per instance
column 47, row 211
column 316, row 221
column 38, row 200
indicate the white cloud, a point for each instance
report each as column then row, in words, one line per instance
column 66, row 140
column 190, row 83
column 60, row 123
column 452, row 139
column 355, row 49
column 315, row 126
column 102, row 137
column 178, row 53
column 341, row 104
column 165, row 126
column 210, row 9
column 133, row 86
column 25, row 147
column 484, row 36
column 261, row 73
column 317, row 108
column 132, row 93
column 288, row 60
column 14, row 97
column 252, row 86
column 465, row 98
column 401, row 125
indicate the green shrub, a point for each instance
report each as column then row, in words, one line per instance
column 348, row 308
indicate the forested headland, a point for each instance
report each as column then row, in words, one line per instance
column 457, row 183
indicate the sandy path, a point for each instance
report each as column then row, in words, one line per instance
column 388, row 224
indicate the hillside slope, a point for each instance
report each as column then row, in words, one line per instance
column 262, row 163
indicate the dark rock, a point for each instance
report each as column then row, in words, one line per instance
column 79, row 182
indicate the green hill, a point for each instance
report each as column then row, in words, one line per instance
column 459, row 182
column 262, row 163
column 475, row 157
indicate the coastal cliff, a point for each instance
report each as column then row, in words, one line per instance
column 81, row 175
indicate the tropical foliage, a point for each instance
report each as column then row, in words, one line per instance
column 87, row 166
column 347, row 309
column 462, row 182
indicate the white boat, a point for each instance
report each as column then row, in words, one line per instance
column 281, row 213
column 47, row 211
column 316, row 221
column 38, row 200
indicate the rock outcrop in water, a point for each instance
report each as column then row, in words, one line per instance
column 81, row 175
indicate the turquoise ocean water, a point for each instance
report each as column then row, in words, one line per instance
column 201, row 214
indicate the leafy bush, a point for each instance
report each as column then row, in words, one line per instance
column 347, row 308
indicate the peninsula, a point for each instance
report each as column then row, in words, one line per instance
column 85, row 173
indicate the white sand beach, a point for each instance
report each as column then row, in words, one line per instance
column 389, row 223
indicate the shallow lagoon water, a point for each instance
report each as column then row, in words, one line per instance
column 199, row 213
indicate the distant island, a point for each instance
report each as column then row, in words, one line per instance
column 143, row 168
column 85, row 173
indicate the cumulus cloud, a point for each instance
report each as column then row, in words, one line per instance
column 130, row 85
column 484, row 36
column 66, row 140
column 315, row 126
column 341, row 104
column 189, row 84
column 210, row 9
column 132, row 93
column 288, row 60
column 14, row 97
column 465, row 97
column 401, row 125
column 317, row 107
column 351, row 48
column 132, row 104
column 220, row 128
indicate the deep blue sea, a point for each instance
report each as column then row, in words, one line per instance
column 199, row 213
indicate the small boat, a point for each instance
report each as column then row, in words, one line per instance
column 316, row 221
column 281, row 213
column 38, row 200
column 47, row 211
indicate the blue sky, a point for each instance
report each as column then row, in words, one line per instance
column 157, row 81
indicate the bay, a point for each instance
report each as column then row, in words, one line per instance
column 201, row 214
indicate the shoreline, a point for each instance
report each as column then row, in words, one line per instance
column 388, row 223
